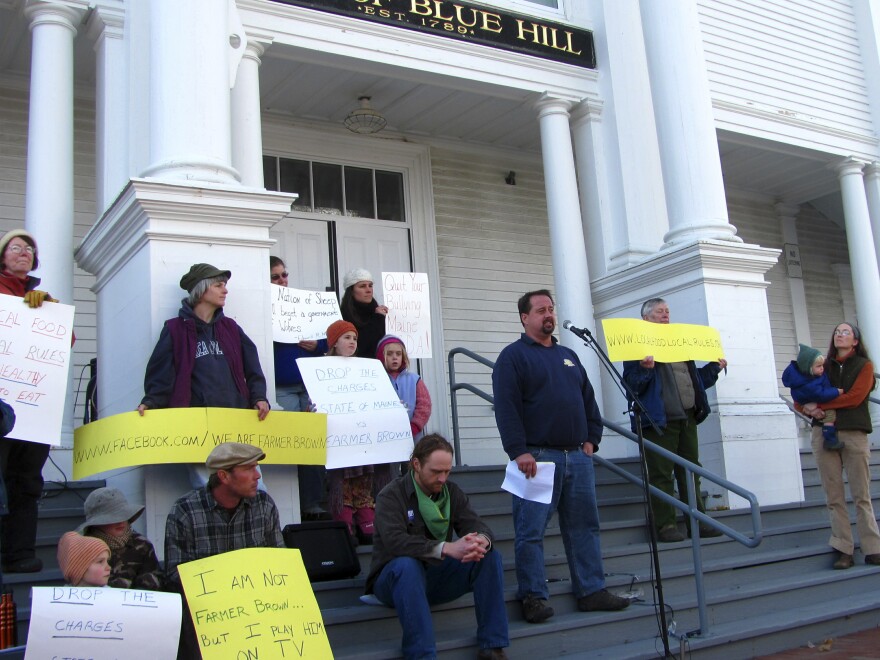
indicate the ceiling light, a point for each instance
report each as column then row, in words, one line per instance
column 364, row 119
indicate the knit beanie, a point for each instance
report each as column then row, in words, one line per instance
column 387, row 339
column 336, row 330
column 806, row 358
column 26, row 237
column 354, row 276
column 76, row 553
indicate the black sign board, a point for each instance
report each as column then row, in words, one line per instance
column 472, row 23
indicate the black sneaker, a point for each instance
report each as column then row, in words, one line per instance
column 604, row 601
column 26, row 565
column 669, row 534
column 707, row 532
column 536, row 610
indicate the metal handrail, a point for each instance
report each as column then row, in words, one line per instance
column 455, row 386
column 696, row 516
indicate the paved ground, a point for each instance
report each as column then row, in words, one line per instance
column 858, row 646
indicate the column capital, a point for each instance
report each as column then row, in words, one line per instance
column 787, row 209
column 65, row 14
column 588, row 110
column 553, row 105
column 872, row 170
column 848, row 165
column 105, row 22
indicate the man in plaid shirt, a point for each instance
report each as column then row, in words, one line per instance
column 230, row 513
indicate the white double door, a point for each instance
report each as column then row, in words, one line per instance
column 311, row 249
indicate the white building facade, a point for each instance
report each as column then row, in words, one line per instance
column 722, row 155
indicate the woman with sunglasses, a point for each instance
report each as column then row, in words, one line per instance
column 849, row 368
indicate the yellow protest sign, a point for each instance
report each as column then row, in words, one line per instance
column 254, row 603
column 187, row 435
column 633, row 339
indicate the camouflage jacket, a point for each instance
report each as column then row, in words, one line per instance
column 135, row 565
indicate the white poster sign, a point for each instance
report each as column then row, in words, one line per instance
column 409, row 311
column 35, row 356
column 102, row 624
column 366, row 422
column 298, row 314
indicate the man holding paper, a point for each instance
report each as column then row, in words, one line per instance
column 674, row 396
column 416, row 563
column 546, row 411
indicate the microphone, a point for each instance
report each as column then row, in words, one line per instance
column 583, row 333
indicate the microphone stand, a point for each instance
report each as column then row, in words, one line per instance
column 637, row 409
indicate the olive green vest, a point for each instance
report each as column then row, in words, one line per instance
column 843, row 375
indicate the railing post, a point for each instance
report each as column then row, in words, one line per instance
column 696, row 547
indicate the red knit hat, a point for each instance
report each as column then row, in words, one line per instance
column 76, row 553
column 336, row 330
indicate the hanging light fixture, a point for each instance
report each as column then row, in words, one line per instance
column 364, row 119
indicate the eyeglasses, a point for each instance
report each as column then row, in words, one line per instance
column 278, row 276
column 18, row 249
column 842, row 333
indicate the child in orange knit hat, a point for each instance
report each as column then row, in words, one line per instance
column 84, row 560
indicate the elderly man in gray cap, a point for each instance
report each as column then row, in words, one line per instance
column 230, row 513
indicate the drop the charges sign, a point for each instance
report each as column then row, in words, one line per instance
column 467, row 21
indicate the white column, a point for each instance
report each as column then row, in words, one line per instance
column 189, row 92
column 49, row 187
column 570, row 273
column 862, row 257
column 872, row 188
column 685, row 126
column 598, row 206
column 247, row 135
column 787, row 221
column 111, row 106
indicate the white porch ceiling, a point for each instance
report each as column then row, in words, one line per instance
column 308, row 86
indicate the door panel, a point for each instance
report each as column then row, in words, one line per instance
column 376, row 248
column 305, row 249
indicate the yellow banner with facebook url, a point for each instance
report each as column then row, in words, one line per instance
column 634, row 339
column 187, row 435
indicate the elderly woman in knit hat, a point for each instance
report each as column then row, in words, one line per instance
column 204, row 358
column 359, row 307
column 133, row 561
column 83, row 560
column 21, row 461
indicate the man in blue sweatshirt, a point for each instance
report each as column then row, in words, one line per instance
column 545, row 409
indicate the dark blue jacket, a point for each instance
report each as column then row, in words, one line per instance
column 808, row 389
column 286, row 370
column 543, row 398
column 7, row 421
column 649, row 388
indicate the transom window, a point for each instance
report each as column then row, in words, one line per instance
column 356, row 192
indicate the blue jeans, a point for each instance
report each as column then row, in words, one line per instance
column 574, row 496
column 294, row 398
column 412, row 586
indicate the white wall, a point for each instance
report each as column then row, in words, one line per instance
column 13, row 159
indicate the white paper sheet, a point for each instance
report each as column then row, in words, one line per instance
column 102, row 623
column 537, row 489
column 34, row 363
column 366, row 422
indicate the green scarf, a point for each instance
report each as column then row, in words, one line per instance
column 435, row 513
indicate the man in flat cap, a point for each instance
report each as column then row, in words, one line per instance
column 227, row 514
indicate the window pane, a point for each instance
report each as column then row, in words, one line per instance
column 270, row 172
column 328, row 188
column 389, row 196
column 295, row 179
column 359, row 192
